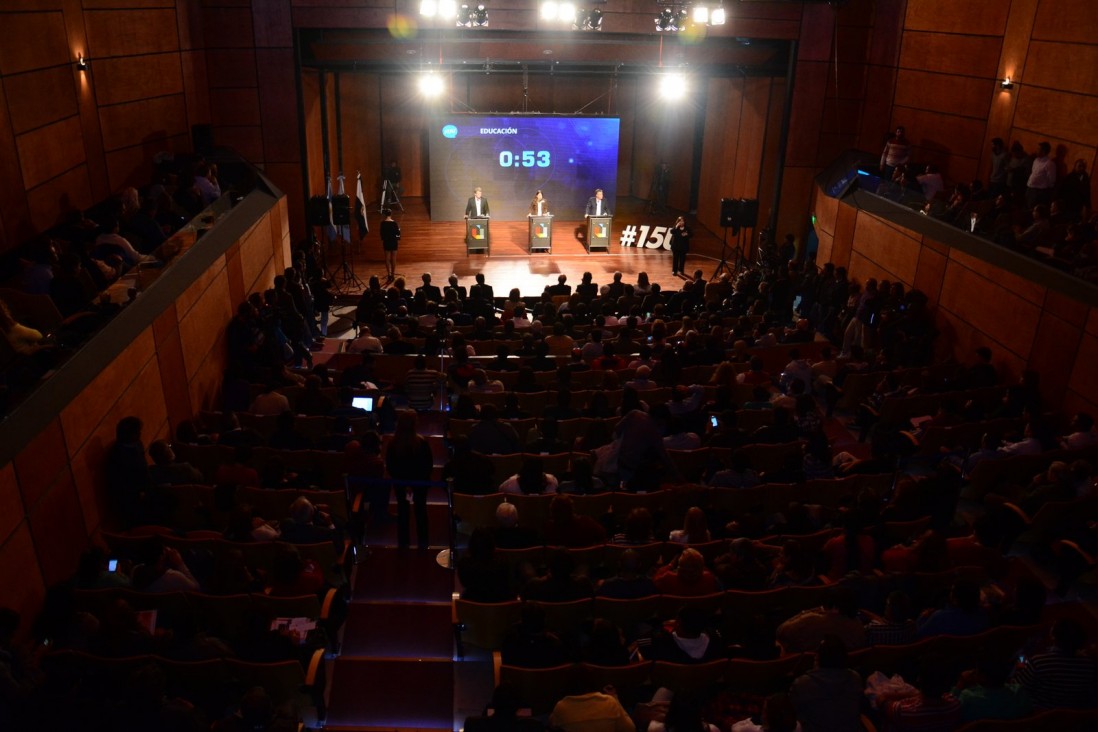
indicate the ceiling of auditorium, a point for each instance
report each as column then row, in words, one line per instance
column 539, row 52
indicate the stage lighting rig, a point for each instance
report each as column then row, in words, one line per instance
column 671, row 20
column 675, row 15
column 588, row 20
column 472, row 17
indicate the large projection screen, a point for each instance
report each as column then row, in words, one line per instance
column 567, row 158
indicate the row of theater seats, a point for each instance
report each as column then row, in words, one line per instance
column 477, row 511
column 755, row 680
column 486, row 625
column 196, row 506
column 212, row 686
column 335, row 561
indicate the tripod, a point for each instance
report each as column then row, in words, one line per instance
column 389, row 196
column 657, row 192
column 344, row 277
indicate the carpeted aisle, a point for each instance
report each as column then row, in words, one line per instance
column 396, row 671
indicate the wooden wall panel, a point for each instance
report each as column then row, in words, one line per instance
column 50, row 203
column 41, row 97
column 862, row 268
column 930, row 273
column 138, row 77
column 960, row 95
column 980, row 17
column 894, row 251
column 287, row 176
column 235, row 67
column 846, row 221
column 21, row 577
column 1058, row 114
column 1020, row 286
column 254, row 254
column 1067, row 309
column 196, row 337
column 81, row 416
column 1084, row 377
column 132, row 166
column 1071, row 21
column 37, row 467
column 11, row 503
column 1054, row 354
column 991, row 308
column 958, row 339
column 128, row 124
column 247, row 141
column 57, row 527
column 49, row 151
column 130, row 32
column 272, row 21
column 227, row 27
column 33, row 41
column 1063, row 67
column 958, row 55
column 808, row 101
column 234, row 107
column 278, row 107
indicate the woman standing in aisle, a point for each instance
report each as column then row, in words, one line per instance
column 390, row 237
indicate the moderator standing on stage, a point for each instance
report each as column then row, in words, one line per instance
column 539, row 205
column 680, row 245
column 478, row 205
column 596, row 206
column 390, row 237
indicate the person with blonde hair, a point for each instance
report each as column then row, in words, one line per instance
column 694, row 529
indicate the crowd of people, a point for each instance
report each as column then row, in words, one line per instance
column 1033, row 202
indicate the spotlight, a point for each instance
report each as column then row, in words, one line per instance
column 669, row 21
column 716, row 16
column 428, row 8
column 700, row 14
column 550, row 10
column 588, row 20
column 447, row 9
column 430, row 85
column 672, row 85
column 468, row 17
column 567, row 12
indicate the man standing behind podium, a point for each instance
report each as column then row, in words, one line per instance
column 596, row 206
column 477, row 207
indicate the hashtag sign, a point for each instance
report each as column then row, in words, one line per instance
column 628, row 236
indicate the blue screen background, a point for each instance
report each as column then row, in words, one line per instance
column 583, row 156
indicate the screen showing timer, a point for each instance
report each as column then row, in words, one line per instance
column 510, row 158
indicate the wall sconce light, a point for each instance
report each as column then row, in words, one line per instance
column 1006, row 83
column 81, row 62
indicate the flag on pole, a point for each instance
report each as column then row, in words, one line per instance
column 332, row 233
column 342, row 203
column 360, row 210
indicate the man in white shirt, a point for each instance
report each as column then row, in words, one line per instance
column 477, row 207
column 1042, row 177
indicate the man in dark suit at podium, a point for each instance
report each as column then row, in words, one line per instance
column 477, row 206
column 596, row 206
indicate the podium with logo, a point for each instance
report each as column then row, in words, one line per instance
column 541, row 233
column 476, row 235
column 598, row 233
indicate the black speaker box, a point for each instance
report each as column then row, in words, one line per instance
column 318, row 211
column 341, row 210
column 728, row 212
column 748, row 214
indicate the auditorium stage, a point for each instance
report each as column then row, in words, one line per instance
column 438, row 247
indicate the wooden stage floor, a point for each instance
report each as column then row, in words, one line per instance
column 438, row 247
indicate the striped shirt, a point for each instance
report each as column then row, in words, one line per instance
column 1055, row 679
column 916, row 714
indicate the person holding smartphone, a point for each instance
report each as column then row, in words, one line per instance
column 680, row 245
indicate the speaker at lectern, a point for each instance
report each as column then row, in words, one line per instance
column 541, row 233
column 598, row 233
column 476, row 236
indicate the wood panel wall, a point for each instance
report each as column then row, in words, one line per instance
column 69, row 138
column 1026, row 325
column 952, row 58
column 52, row 494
